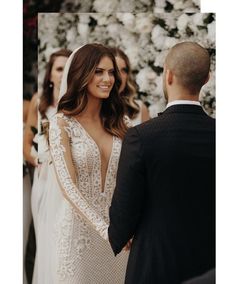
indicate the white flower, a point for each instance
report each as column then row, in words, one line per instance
column 159, row 10
column 151, row 75
column 170, row 42
column 141, row 79
column 114, row 30
column 160, row 58
column 143, row 23
column 182, row 22
column 156, row 108
column 126, row 6
column 197, row 19
column 146, row 2
column 49, row 51
column 102, row 19
column 83, row 30
column 84, row 18
column 211, row 31
column 127, row 19
column 132, row 53
column 196, row 2
column 146, row 79
column 105, row 6
column 158, row 35
column 160, row 3
column 71, row 34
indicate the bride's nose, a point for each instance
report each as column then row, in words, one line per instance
column 106, row 77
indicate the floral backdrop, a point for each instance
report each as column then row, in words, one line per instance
column 145, row 38
column 32, row 7
column 157, row 6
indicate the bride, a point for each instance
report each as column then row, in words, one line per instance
column 85, row 139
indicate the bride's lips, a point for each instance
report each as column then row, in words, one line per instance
column 104, row 87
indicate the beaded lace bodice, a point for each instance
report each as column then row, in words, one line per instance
column 78, row 165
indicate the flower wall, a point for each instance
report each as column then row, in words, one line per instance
column 145, row 38
column 101, row 6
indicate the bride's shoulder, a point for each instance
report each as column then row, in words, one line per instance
column 61, row 119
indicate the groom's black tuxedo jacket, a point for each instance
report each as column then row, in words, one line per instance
column 165, row 197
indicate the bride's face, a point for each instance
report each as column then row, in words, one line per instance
column 103, row 80
column 57, row 70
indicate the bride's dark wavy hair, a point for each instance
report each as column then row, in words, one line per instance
column 81, row 72
column 46, row 99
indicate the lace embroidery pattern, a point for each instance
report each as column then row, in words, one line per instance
column 73, row 194
column 70, row 249
column 85, row 194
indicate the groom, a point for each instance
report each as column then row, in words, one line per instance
column 165, row 193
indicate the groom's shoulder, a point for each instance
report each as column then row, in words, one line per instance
column 149, row 125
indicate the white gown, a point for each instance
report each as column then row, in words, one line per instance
column 40, row 203
column 77, row 250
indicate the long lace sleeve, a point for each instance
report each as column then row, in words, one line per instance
column 59, row 139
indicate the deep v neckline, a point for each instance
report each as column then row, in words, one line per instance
column 103, row 186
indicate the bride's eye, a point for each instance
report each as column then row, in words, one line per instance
column 98, row 71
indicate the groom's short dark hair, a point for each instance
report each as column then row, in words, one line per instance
column 190, row 63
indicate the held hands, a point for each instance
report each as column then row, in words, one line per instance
column 128, row 245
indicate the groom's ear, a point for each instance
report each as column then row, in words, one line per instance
column 169, row 77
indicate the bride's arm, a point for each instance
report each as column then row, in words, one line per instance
column 59, row 140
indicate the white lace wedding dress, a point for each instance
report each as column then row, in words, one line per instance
column 78, row 249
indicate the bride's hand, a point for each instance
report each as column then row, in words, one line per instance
column 128, row 245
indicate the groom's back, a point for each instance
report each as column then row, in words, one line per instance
column 179, row 156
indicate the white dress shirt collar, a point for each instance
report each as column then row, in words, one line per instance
column 183, row 102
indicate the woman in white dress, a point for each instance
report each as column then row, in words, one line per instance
column 85, row 139
column 134, row 108
column 42, row 109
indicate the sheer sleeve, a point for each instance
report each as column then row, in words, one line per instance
column 59, row 139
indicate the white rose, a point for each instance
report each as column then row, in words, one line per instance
column 83, row 30
column 211, row 31
column 170, row 42
column 160, row 58
column 105, row 6
column 141, row 79
column 126, row 6
column 151, row 75
column 196, row 3
column 158, row 35
column 160, row 3
column 127, row 19
column 143, row 23
column 113, row 30
column 182, row 22
column 197, row 19
column 84, row 18
column 71, row 34
column 132, row 53
column 159, row 10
